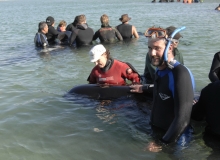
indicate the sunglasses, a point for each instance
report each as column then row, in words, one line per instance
column 159, row 32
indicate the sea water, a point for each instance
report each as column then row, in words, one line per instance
column 37, row 122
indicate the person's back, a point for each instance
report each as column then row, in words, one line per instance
column 208, row 108
column 214, row 73
column 107, row 33
column 52, row 32
column 126, row 30
column 72, row 26
column 82, row 34
column 40, row 38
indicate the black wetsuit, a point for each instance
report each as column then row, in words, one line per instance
column 125, row 30
column 70, row 27
column 64, row 37
column 82, row 34
column 40, row 40
column 214, row 74
column 107, row 34
column 173, row 96
column 52, row 35
column 208, row 107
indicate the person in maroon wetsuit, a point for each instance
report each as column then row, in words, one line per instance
column 127, row 31
column 110, row 71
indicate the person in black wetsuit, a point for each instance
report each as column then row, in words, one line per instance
column 173, row 89
column 52, row 32
column 127, row 31
column 106, row 33
column 64, row 35
column 40, row 39
column 72, row 26
column 208, row 108
column 214, row 74
column 82, row 33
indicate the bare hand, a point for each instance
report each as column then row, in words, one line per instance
column 153, row 147
column 195, row 101
column 136, row 88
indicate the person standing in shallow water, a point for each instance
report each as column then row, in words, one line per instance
column 208, row 108
column 40, row 39
column 126, row 30
column 106, row 33
column 82, row 34
column 52, row 32
column 173, row 90
column 109, row 71
column 214, row 73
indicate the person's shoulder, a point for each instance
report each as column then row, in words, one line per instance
column 90, row 28
column 120, row 63
column 180, row 68
column 95, row 68
column 217, row 54
column 51, row 27
column 133, row 26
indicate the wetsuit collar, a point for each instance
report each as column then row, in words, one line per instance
column 106, row 26
column 108, row 65
column 82, row 26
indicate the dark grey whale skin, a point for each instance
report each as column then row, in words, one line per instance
column 109, row 92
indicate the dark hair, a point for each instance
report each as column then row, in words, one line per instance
column 75, row 21
column 108, row 54
column 41, row 25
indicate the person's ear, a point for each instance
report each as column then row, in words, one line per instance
column 171, row 47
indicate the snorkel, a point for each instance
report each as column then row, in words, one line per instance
column 169, row 41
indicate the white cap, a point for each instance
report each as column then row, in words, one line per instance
column 96, row 52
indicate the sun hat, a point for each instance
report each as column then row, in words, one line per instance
column 170, row 30
column 96, row 52
column 124, row 18
column 49, row 20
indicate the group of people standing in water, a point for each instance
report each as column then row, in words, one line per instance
column 80, row 34
column 184, row 1
column 165, row 76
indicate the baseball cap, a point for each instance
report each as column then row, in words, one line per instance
column 96, row 52
column 50, row 20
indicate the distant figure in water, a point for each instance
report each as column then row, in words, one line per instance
column 162, row 1
column 187, row 1
column 40, row 38
column 218, row 8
